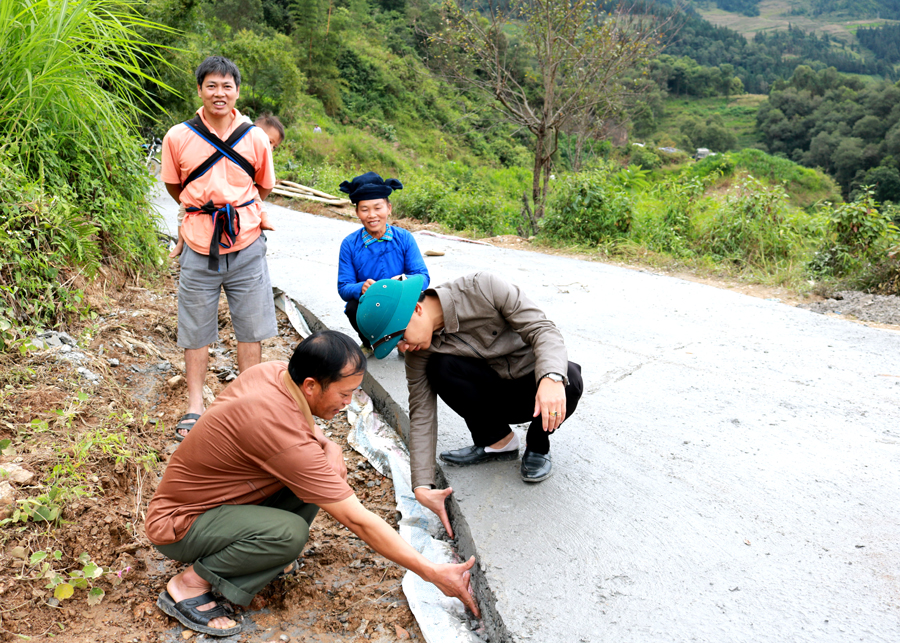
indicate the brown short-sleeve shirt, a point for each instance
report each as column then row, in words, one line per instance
column 252, row 441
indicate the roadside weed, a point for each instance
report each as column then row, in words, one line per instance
column 64, row 581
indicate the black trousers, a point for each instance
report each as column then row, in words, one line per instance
column 489, row 404
column 350, row 311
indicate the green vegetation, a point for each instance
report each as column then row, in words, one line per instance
column 856, row 8
column 837, row 123
column 769, row 55
column 73, row 188
column 737, row 114
column 72, row 185
column 48, row 565
column 719, row 123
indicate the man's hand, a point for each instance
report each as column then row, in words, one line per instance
column 365, row 286
column 435, row 500
column 179, row 246
column 455, row 580
column 550, row 403
column 335, row 457
column 452, row 580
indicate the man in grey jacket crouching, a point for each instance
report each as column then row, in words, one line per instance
column 491, row 354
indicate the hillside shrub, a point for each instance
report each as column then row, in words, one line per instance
column 644, row 157
column 712, row 167
column 588, row 208
column 756, row 227
column 859, row 239
column 461, row 206
column 669, row 225
column 806, row 186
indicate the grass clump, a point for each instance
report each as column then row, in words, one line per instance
column 755, row 227
column 588, row 207
column 72, row 184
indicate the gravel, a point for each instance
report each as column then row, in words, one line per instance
column 881, row 309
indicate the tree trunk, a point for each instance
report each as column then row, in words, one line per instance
column 537, row 194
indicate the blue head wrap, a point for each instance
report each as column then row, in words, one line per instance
column 369, row 186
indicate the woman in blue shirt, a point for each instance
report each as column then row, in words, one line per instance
column 378, row 250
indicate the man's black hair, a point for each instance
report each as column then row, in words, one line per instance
column 324, row 356
column 218, row 65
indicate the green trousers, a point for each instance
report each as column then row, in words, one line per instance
column 239, row 549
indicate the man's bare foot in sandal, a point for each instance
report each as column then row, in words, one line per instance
column 188, row 584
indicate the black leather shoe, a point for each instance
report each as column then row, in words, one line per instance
column 476, row 455
column 536, row 466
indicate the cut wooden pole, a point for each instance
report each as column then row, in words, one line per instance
column 298, row 186
column 299, row 195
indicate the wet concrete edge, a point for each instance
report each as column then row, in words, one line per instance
column 394, row 414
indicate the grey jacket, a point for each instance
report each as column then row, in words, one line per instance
column 485, row 317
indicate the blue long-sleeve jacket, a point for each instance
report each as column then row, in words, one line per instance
column 379, row 260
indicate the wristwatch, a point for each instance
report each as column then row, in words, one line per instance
column 556, row 377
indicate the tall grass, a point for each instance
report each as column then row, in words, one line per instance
column 73, row 64
column 74, row 186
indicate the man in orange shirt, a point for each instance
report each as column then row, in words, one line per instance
column 220, row 167
column 238, row 497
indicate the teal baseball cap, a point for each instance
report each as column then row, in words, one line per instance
column 385, row 310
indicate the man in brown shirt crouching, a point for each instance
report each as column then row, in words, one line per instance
column 239, row 494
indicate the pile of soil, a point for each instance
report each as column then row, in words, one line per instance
column 93, row 413
column 880, row 309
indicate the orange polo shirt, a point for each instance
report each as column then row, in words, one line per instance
column 225, row 182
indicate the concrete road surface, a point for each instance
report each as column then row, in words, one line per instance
column 731, row 473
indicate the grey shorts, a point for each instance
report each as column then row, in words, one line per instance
column 244, row 277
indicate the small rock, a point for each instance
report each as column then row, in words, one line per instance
column 65, row 348
column 65, row 338
column 401, row 633
column 51, row 339
column 38, row 344
column 53, row 601
column 434, row 253
column 257, row 604
column 90, row 376
column 186, row 634
column 113, row 361
column 175, row 381
column 16, row 473
column 7, row 494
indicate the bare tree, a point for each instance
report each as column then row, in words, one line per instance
column 567, row 65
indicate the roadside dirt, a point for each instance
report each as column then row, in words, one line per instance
column 90, row 439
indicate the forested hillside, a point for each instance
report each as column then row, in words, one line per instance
column 883, row 42
column 770, row 55
column 848, row 128
column 889, row 9
column 342, row 63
